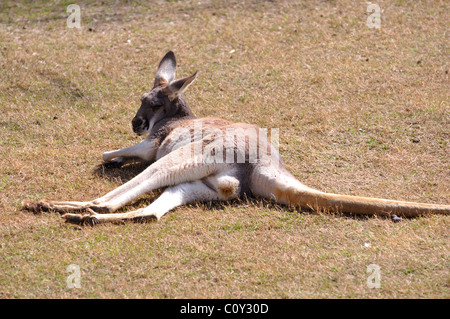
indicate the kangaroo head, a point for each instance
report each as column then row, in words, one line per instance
column 165, row 100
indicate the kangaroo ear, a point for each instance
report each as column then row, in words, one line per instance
column 177, row 87
column 166, row 70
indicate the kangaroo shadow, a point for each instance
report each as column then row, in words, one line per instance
column 120, row 172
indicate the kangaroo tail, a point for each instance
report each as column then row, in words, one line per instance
column 286, row 189
column 360, row 205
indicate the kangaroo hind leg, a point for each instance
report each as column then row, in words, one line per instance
column 167, row 171
column 58, row 206
column 168, row 200
column 220, row 186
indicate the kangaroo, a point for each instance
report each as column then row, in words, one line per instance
column 197, row 160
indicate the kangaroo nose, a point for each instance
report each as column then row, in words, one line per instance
column 136, row 122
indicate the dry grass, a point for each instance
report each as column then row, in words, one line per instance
column 348, row 100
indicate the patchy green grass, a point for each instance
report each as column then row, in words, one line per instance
column 361, row 111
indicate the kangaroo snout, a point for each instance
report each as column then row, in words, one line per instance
column 138, row 125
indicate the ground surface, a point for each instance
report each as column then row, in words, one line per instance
column 361, row 111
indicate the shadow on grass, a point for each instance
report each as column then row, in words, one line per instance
column 120, row 173
column 263, row 203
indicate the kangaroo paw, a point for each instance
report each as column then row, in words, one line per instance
column 90, row 220
column 31, row 206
